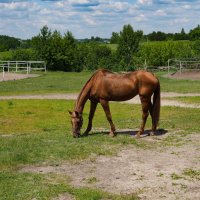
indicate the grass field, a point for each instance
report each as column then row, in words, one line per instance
column 193, row 100
column 62, row 82
column 28, row 136
column 50, row 82
column 34, row 132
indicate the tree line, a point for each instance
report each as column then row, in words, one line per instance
column 192, row 35
column 64, row 52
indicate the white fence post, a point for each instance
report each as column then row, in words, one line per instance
column 16, row 66
column 3, row 73
column 168, row 65
column 45, row 67
column 27, row 70
column 8, row 66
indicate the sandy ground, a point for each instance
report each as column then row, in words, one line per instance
column 15, row 76
column 192, row 75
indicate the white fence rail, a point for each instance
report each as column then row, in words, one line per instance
column 22, row 66
column 183, row 64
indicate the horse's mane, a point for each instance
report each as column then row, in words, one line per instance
column 85, row 86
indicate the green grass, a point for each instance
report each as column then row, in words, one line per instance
column 33, row 131
column 71, row 82
column 179, row 86
column 25, row 186
column 192, row 173
column 189, row 100
column 38, row 131
column 50, row 82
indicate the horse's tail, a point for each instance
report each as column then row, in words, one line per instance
column 156, row 107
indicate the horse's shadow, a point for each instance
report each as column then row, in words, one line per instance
column 158, row 132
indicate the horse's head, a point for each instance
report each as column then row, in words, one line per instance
column 77, row 122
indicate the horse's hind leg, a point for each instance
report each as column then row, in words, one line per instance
column 93, row 106
column 151, row 113
column 145, row 101
column 105, row 105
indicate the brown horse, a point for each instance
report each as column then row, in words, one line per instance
column 105, row 86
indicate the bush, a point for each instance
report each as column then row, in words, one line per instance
column 158, row 53
column 23, row 54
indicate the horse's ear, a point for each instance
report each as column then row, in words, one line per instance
column 70, row 112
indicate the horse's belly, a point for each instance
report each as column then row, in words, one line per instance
column 120, row 95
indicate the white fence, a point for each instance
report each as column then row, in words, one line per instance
column 184, row 64
column 22, row 66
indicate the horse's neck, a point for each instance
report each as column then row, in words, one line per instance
column 82, row 98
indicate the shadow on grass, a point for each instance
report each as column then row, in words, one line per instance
column 146, row 133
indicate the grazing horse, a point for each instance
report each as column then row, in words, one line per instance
column 105, row 86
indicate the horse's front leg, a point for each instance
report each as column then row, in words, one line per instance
column 105, row 105
column 93, row 106
column 145, row 113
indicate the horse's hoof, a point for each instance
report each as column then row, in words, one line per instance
column 85, row 134
column 77, row 136
column 111, row 134
column 151, row 133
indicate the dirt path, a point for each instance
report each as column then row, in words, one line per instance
column 135, row 100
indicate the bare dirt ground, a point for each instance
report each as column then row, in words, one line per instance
column 15, row 76
column 191, row 75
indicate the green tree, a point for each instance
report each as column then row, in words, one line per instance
column 41, row 44
column 70, row 52
column 114, row 38
column 195, row 33
column 157, row 36
column 98, row 56
column 7, row 43
column 197, row 47
column 60, row 52
column 23, row 54
column 128, row 45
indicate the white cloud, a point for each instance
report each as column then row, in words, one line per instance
column 119, row 6
column 145, row 2
column 186, row 6
column 140, row 18
column 89, row 20
column 160, row 13
column 180, row 21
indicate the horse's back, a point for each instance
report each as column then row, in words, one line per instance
column 118, row 86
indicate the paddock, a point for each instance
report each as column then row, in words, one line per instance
column 183, row 65
column 38, row 149
column 14, row 70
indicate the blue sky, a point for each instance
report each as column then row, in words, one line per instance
column 86, row 18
